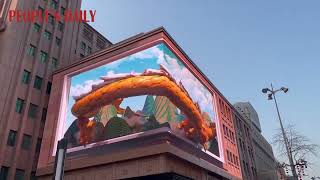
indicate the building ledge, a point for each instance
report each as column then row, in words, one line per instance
column 151, row 145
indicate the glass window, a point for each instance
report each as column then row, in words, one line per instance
column 26, row 142
column 232, row 137
column 228, row 155
column 54, row 4
column 33, row 176
column 89, row 50
column 12, row 138
column 42, row 10
column 25, row 77
column 58, row 41
column 36, row 27
column 33, row 110
column 100, row 43
column 49, row 87
column 51, row 19
column 43, row 56
column 234, row 159
column 47, row 35
column 60, row 26
column 37, row 82
column 87, row 34
column 31, row 50
column 237, row 161
column 19, row 174
column 231, row 158
column 4, row 172
column 19, row 105
column 54, row 63
column 63, row 10
column 38, row 147
column 83, row 45
column 44, row 115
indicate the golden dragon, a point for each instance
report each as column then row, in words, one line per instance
column 159, row 84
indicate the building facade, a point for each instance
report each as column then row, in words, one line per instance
column 245, row 144
column 139, row 137
column 228, row 129
column 30, row 52
column 263, row 154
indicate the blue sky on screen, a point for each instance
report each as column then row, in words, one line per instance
column 138, row 62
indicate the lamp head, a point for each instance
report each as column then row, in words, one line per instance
column 265, row 90
column 270, row 97
column 284, row 89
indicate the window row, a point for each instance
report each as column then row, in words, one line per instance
column 87, row 34
column 54, row 5
column 225, row 110
column 43, row 55
column 247, row 170
column 101, row 44
column 19, row 175
column 232, row 158
column 246, row 130
column 26, row 141
column 241, row 145
column 32, row 111
column 4, row 171
column 37, row 81
column 244, row 148
column 227, row 132
column 242, row 127
column 84, row 47
column 250, row 151
column 50, row 20
column 48, row 35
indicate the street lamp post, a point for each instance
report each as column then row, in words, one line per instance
column 59, row 161
column 272, row 95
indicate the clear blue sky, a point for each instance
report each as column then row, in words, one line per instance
column 242, row 46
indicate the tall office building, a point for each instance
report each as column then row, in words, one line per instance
column 245, row 144
column 262, row 150
column 29, row 53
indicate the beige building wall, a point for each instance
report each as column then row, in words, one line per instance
column 26, row 126
column 245, row 146
column 262, row 151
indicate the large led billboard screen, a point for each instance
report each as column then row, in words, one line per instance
column 147, row 90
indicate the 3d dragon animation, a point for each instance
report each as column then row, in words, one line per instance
column 152, row 82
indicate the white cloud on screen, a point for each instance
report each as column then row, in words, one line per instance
column 195, row 88
column 114, row 64
column 110, row 73
column 86, row 87
column 153, row 52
